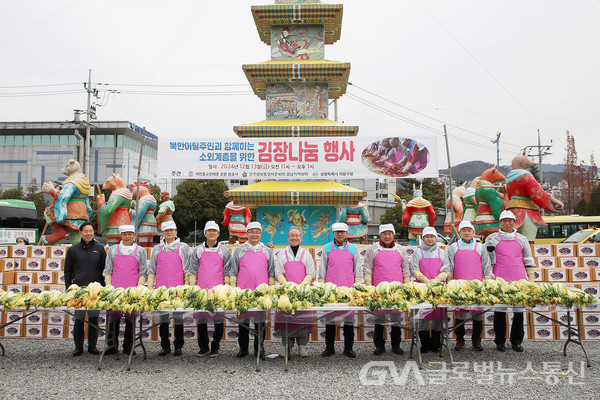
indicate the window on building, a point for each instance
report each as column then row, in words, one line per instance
column 18, row 140
column 54, row 139
column 45, row 140
column 345, row 182
column 37, row 140
column 10, row 140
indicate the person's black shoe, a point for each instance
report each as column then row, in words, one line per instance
column 397, row 350
column 177, row 352
column 202, row 353
column 126, row 352
column 328, row 352
column 518, row 348
column 242, row 353
column 378, row 351
column 77, row 352
column 350, row 353
column 94, row 351
column 214, row 352
column 110, row 350
column 501, row 347
column 425, row 349
column 164, row 351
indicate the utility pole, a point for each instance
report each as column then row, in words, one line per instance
column 335, row 110
column 542, row 151
column 454, row 233
column 497, row 143
column 86, row 169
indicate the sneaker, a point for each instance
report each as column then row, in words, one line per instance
column 177, row 352
column 518, row 348
column 77, row 352
column 378, row 351
column 110, row 350
column 477, row 346
column 501, row 347
column 328, row 352
column 460, row 344
column 214, row 353
column 202, row 353
column 350, row 353
column 164, row 351
column 242, row 353
column 397, row 350
column 290, row 353
column 93, row 351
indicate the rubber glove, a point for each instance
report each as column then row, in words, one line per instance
column 322, row 280
column 442, row 277
column 271, row 281
column 192, row 280
column 227, row 280
column 488, row 278
column 358, row 280
column 368, row 279
column 282, row 279
column 419, row 275
column 186, row 278
column 307, row 280
column 233, row 281
column 151, row 281
column 141, row 281
column 530, row 274
column 407, row 279
column 108, row 280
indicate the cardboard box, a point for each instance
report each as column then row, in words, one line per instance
column 16, row 288
column 56, row 318
column 7, row 264
column 591, row 289
column 563, row 333
column 24, row 278
column 60, row 288
column 563, row 317
column 190, row 333
column 11, row 316
column 568, row 262
column 18, row 252
column 33, row 264
column 590, row 318
column 540, row 274
column 591, row 333
column 8, row 278
column 587, row 250
column 595, row 274
column 580, row 274
column 53, row 264
column 591, row 307
column 1, row 279
column 543, row 250
column 542, row 320
column 590, row 262
column 14, row 330
column 3, row 251
column 546, row 262
column 146, row 334
column 556, row 275
column 231, row 333
column 34, row 331
column 58, row 251
column 39, row 251
column 56, row 332
column 565, row 250
column 511, row 315
column 59, row 277
column 543, row 333
column 37, row 288
column 46, row 277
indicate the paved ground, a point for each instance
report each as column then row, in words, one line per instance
column 45, row 369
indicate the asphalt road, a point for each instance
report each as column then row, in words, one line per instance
column 45, row 369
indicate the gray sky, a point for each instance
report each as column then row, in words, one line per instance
column 481, row 67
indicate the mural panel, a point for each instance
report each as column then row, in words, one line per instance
column 314, row 223
column 297, row 101
column 297, row 42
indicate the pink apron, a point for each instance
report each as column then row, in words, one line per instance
column 430, row 267
column 340, row 270
column 169, row 268
column 295, row 271
column 125, row 274
column 210, row 273
column 467, row 265
column 509, row 260
column 387, row 267
column 253, row 271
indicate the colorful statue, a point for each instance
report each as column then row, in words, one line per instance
column 526, row 196
column 70, row 207
column 470, row 202
column 145, row 225
column 489, row 203
column 356, row 217
column 165, row 210
column 235, row 219
column 417, row 214
column 454, row 206
column 115, row 212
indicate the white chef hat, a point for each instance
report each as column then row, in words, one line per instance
column 386, row 227
column 465, row 224
column 211, row 225
column 507, row 214
column 126, row 228
column 429, row 231
column 339, row 226
column 168, row 225
column 253, row 225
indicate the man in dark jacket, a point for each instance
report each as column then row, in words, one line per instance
column 84, row 264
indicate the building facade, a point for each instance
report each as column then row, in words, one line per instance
column 39, row 150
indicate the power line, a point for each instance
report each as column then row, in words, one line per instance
column 37, row 86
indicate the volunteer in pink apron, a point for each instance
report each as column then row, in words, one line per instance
column 469, row 260
column 125, row 267
column 386, row 261
column 510, row 256
column 166, row 268
column 210, row 265
column 340, row 264
column 294, row 264
column 425, row 265
column 252, row 264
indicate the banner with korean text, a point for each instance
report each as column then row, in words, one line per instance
column 299, row 158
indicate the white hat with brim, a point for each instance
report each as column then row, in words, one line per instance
column 126, row 228
column 168, row 225
column 429, row 231
column 211, row 225
column 387, row 227
column 254, row 225
column 465, row 224
column 339, row 227
column 507, row 214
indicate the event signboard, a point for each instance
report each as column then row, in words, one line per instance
column 413, row 156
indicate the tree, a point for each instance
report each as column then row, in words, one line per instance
column 594, row 204
column 570, row 172
column 198, row 201
column 535, row 171
column 432, row 190
column 37, row 196
column 393, row 216
column 582, row 207
column 16, row 194
column 155, row 191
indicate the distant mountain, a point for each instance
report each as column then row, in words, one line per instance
column 469, row 170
